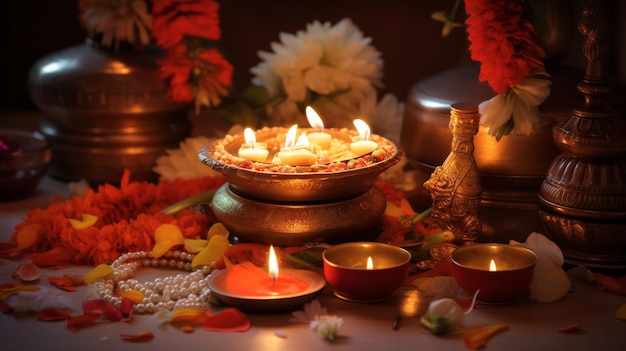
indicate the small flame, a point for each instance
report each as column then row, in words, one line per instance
column 370, row 263
column 248, row 135
column 314, row 119
column 362, row 128
column 303, row 140
column 492, row 266
column 290, row 140
column 272, row 264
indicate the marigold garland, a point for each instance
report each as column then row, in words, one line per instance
column 127, row 218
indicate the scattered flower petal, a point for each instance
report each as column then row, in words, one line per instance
column 67, row 282
column 86, row 221
column 443, row 316
column 213, row 251
column 28, row 235
column 102, row 309
column 145, row 337
column 9, row 289
column 166, row 236
column 74, row 324
column 53, row 314
column 10, row 251
column 310, row 311
column 476, row 338
column 188, row 317
column 229, row 320
column 195, row 245
column 99, row 272
column 609, row 283
column 570, row 329
column 133, row 295
column 26, row 272
column 217, row 229
column 126, row 307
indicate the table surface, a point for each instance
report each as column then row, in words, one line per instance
column 532, row 325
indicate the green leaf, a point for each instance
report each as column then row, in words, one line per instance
column 310, row 258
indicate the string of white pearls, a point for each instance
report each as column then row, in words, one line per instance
column 187, row 290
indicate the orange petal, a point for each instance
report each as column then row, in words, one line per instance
column 621, row 312
column 476, row 338
column 145, row 337
column 74, row 324
column 213, row 251
column 99, row 272
column 7, row 290
column 133, row 295
column 229, row 320
column 26, row 272
column 166, row 236
column 195, row 245
column 86, row 221
column 28, row 235
column 101, row 308
column 67, row 282
column 55, row 257
column 217, row 229
column 188, row 317
column 611, row 284
column 10, row 251
column 53, row 314
column 570, row 329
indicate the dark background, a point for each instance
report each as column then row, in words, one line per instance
column 401, row 30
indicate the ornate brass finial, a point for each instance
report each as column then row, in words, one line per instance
column 455, row 186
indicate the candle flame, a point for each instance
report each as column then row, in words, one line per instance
column 492, row 266
column 248, row 135
column 302, row 140
column 290, row 140
column 314, row 119
column 370, row 263
column 273, row 264
column 362, row 128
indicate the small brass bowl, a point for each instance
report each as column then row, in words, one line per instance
column 515, row 266
column 297, row 187
column 346, row 271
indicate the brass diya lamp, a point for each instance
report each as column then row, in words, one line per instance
column 331, row 200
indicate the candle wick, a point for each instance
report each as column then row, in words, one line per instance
column 273, row 280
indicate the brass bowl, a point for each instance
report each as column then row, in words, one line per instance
column 286, row 224
column 297, row 187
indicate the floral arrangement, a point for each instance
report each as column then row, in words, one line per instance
column 187, row 31
column 502, row 39
column 333, row 68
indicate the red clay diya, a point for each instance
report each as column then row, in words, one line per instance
column 501, row 272
column 365, row 271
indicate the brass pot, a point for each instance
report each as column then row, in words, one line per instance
column 105, row 111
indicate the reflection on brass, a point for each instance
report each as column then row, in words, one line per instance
column 455, row 186
column 583, row 197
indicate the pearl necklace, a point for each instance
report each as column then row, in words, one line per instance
column 188, row 290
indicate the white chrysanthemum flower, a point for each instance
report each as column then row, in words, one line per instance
column 336, row 62
column 183, row 162
column 119, row 20
column 309, row 312
column 327, row 326
column 519, row 103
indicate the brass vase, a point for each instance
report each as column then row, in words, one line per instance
column 583, row 197
column 104, row 111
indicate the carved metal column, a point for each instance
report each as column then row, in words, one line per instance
column 583, row 197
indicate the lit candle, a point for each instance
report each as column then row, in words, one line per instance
column 361, row 145
column 320, row 138
column 370, row 263
column 296, row 153
column 278, row 285
column 252, row 150
column 492, row 266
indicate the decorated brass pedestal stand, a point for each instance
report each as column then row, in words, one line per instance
column 583, row 196
column 297, row 208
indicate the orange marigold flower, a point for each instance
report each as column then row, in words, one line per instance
column 175, row 19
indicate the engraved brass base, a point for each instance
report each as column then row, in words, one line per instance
column 293, row 223
column 594, row 243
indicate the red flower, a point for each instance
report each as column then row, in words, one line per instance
column 502, row 40
column 175, row 19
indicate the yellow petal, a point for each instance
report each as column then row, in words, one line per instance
column 166, row 236
column 8, row 291
column 621, row 312
column 476, row 338
column 217, row 229
column 212, row 252
column 99, row 272
column 133, row 295
column 393, row 210
column 195, row 245
column 185, row 317
column 86, row 222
